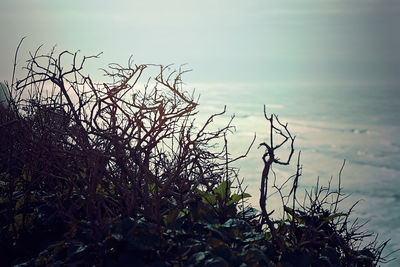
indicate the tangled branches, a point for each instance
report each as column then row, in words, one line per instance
column 119, row 172
column 314, row 227
column 125, row 147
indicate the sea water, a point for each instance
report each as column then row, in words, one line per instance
column 356, row 123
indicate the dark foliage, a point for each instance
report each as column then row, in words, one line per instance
column 119, row 174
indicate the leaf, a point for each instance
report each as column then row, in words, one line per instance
column 241, row 224
column 236, row 198
column 217, row 262
column 26, row 174
column 153, row 188
column 117, row 237
column 254, row 255
column 215, row 232
column 216, row 242
column 100, row 190
column 246, row 195
column 170, row 218
column 19, row 203
column 83, row 174
column 198, row 257
column 209, row 199
column 223, row 190
column 329, row 218
column 293, row 213
column 248, row 213
column 252, row 237
column 17, row 221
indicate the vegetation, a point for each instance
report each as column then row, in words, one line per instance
column 121, row 174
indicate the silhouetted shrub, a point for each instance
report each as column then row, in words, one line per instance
column 119, row 174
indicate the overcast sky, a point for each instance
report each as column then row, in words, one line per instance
column 310, row 41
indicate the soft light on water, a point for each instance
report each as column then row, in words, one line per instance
column 358, row 124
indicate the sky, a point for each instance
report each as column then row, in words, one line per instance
column 247, row 42
column 282, row 44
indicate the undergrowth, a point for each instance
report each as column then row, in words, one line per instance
column 119, row 174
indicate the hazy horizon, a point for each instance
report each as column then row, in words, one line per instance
column 331, row 68
column 325, row 42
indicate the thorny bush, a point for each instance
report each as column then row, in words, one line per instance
column 118, row 173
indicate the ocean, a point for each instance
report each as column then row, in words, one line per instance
column 332, row 123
